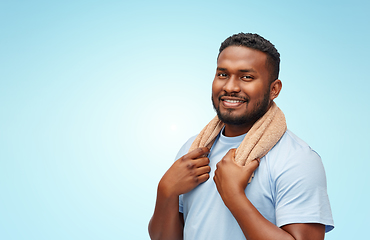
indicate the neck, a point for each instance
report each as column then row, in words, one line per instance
column 235, row 130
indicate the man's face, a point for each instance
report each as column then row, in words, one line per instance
column 241, row 87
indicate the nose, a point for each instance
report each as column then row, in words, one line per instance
column 231, row 85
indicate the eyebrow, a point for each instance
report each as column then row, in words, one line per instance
column 247, row 70
column 241, row 70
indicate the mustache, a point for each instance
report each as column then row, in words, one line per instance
column 233, row 95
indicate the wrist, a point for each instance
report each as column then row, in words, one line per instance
column 166, row 191
column 234, row 198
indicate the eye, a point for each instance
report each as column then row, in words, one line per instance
column 247, row 78
column 222, row 75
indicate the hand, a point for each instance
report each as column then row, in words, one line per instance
column 186, row 173
column 232, row 179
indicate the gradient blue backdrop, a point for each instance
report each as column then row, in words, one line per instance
column 96, row 98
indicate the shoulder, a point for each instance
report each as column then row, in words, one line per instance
column 185, row 148
column 291, row 144
column 292, row 147
column 293, row 158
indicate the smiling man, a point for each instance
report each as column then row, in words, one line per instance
column 244, row 176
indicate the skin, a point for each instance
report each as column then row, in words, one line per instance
column 241, row 75
column 184, row 175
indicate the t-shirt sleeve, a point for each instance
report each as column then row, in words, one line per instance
column 301, row 193
column 184, row 150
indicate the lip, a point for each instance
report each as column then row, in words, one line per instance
column 232, row 102
column 222, row 98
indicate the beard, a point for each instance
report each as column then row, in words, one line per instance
column 259, row 109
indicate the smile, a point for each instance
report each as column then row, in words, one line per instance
column 232, row 103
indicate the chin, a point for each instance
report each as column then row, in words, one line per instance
column 233, row 119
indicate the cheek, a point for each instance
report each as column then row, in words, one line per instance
column 215, row 90
column 254, row 91
column 216, row 87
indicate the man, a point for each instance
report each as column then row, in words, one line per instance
column 206, row 193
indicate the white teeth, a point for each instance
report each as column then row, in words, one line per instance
column 233, row 101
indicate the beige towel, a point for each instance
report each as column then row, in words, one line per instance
column 263, row 135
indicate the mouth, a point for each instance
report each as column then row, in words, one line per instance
column 232, row 102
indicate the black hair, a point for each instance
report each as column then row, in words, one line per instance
column 255, row 41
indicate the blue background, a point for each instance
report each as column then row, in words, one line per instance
column 96, row 98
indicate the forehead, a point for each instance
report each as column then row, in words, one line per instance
column 240, row 57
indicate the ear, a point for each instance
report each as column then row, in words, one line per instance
column 275, row 89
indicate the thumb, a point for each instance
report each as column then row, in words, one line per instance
column 230, row 155
column 252, row 166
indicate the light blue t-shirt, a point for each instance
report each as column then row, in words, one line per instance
column 289, row 186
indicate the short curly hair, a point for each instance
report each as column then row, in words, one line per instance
column 255, row 41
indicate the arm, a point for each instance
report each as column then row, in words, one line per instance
column 231, row 180
column 184, row 175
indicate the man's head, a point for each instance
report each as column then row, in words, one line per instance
column 257, row 42
column 243, row 88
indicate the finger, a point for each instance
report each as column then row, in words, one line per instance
column 215, row 179
column 199, row 162
column 202, row 170
column 252, row 166
column 196, row 153
column 202, row 178
column 230, row 155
